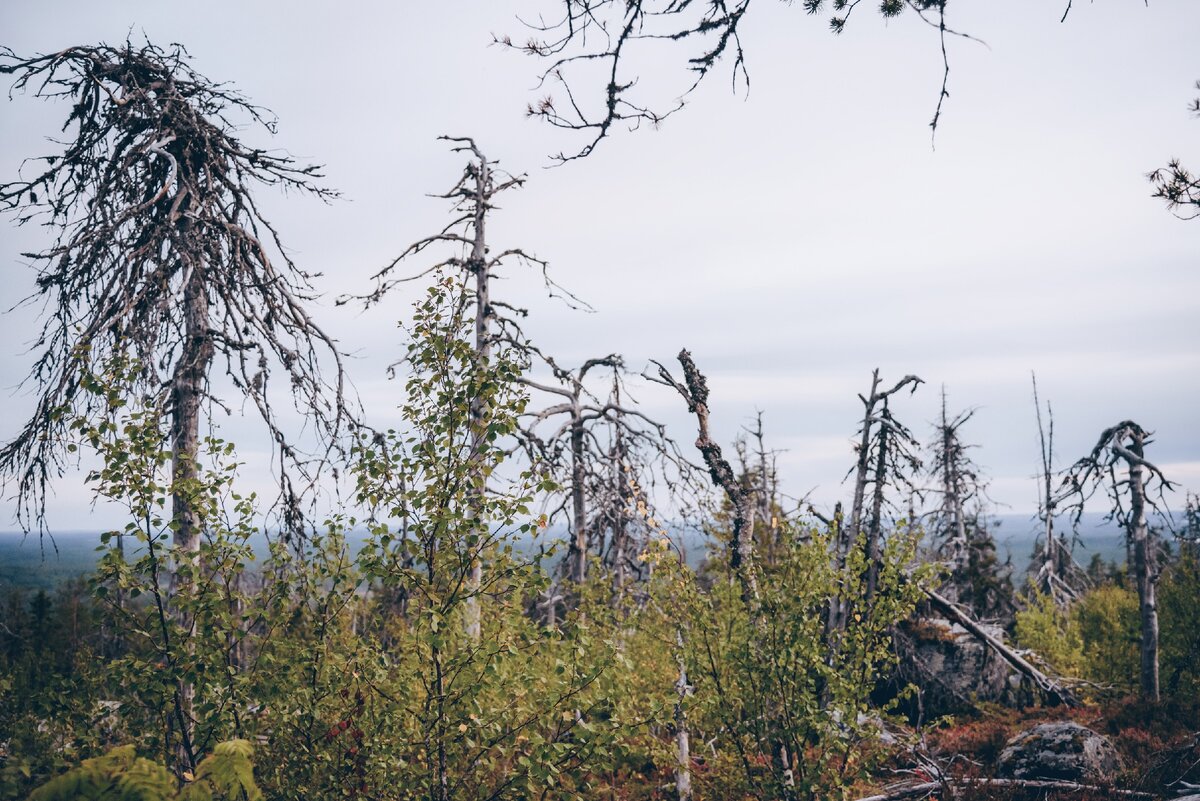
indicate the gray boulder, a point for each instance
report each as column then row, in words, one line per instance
column 1062, row 751
column 954, row 669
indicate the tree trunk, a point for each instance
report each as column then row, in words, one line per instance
column 1144, row 571
column 620, row 527
column 187, row 393
column 683, row 766
column 578, row 505
column 483, row 352
column 741, row 555
column 951, row 785
column 951, row 498
column 875, row 529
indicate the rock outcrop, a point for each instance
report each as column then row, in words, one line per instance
column 954, row 669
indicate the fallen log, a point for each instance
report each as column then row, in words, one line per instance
column 1055, row 690
column 925, row 789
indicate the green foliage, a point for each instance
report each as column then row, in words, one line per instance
column 985, row 582
column 448, row 712
column 1052, row 633
column 789, row 708
column 1179, row 622
column 1108, row 623
column 1098, row 638
column 184, row 616
column 121, row 775
column 50, row 645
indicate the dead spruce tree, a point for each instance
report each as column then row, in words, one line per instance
column 958, row 524
column 161, row 257
column 162, row 263
column 740, row 494
column 886, row 461
column 757, row 471
column 886, row 457
column 600, row 451
column 1123, row 448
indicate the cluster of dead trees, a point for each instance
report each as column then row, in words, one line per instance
column 163, row 270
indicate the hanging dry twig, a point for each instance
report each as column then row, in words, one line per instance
column 592, row 43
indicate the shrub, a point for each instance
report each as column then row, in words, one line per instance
column 1051, row 633
column 1107, row 618
column 1179, row 623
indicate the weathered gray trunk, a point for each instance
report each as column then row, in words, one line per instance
column 578, row 503
column 483, row 352
column 1058, row 576
column 1126, row 442
column 863, row 467
column 683, row 764
column 620, row 527
column 741, row 556
column 187, row 394
column 952, row 504
column 1144, row 572
column 875, row 529
column 848, row 534
column 745, row 545
column 187, row 390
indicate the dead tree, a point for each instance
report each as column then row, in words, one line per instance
column 589, row 51
column 599, row 449
column 759, row 474
column 884, row 457
column 1189, row 534
column 958, row 524
column 740, row 495
column 959, row 484
column 1123, row 447
column 950, row 786
column 161, row 259
column 1056, row 691
column 1054, row 569
column 579, row 408
column 683, row 751
column 162, row 264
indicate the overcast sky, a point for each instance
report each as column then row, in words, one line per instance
column 793, row 238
